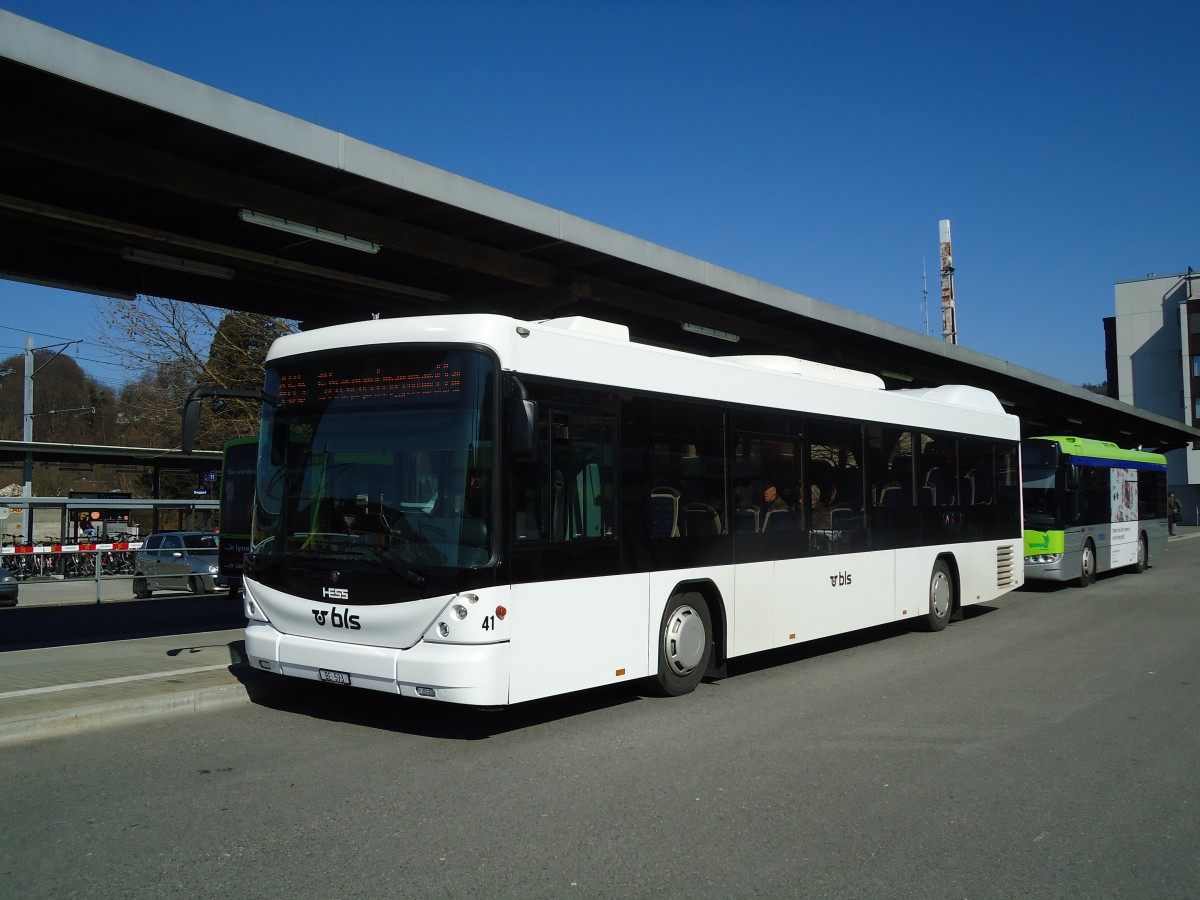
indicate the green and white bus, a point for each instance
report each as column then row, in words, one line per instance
column 1089, row 507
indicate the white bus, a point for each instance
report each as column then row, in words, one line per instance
column 485, row 511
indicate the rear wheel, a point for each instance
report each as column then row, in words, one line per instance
column 140, row 589
column 1143, row 556
column 684, row 645
column 941, row 596
column 1087, row 565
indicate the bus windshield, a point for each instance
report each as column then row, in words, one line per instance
column 381, row 455
column 1039, row 485
column 1040, row 499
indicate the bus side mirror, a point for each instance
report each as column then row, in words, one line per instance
column 191, row 408
column 521, row 428
column 191, row 420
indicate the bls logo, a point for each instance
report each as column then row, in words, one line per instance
column 335, row 593
column 841, row 579
column 336, row 619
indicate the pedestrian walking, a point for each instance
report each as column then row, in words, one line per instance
column 1174, row 513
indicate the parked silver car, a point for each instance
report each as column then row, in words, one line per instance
column 176, row 561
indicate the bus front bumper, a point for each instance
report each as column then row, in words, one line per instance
column 471, row 674
column 1048, row 567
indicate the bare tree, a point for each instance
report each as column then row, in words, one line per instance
column 177, row 346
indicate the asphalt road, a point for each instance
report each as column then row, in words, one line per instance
column 1045, row 746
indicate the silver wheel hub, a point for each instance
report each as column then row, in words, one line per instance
column 683, row 640
column 939, row 595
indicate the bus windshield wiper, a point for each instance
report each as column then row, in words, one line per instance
column 407, row 574
column 359, row 551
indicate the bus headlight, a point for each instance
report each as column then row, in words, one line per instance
column 252, row 609
column 1043, row 558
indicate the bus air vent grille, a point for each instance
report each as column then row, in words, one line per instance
column 1004, row 566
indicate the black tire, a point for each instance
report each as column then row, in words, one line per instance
column 1087, row 565
column 196, row 584
column 1143, row 556
column 941, row 597
column 685, row 645
column 140, row 590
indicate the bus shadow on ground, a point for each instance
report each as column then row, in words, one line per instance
column 1055, row 587
column 1046, row 587
column 425, row 718
column 769, row 659
column 447, row 721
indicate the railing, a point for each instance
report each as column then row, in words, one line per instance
column 100, row 561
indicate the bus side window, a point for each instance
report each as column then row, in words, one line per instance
column 531, row 488
column 528, row 515
column 834, row 489
column 683, row 468
column 566, row 492
column 664, row 512
column 895, row 519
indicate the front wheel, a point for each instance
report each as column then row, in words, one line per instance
column 684, row 645
column 941, row 596
column 1087, row 565
column 1143, row 556
column 196, row 584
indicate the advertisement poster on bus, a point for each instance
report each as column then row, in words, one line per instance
column 1124, row 487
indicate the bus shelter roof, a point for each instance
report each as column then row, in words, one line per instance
column 123, row 179
column 13, row 453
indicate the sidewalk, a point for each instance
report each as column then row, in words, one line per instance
column 171, row 654
column 54, row 691
column 60, row 688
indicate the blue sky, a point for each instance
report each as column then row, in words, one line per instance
column 811, row 145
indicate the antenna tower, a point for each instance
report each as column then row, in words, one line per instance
column 949, row 314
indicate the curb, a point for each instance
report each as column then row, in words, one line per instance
column 163, row 698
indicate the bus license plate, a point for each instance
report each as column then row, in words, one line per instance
column 334, row 677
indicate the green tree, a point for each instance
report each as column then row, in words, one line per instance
column 69, row 407
column 236, row 360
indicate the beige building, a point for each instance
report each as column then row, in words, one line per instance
column 1153, row 353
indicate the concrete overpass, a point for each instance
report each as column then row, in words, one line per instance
column 120, row 178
